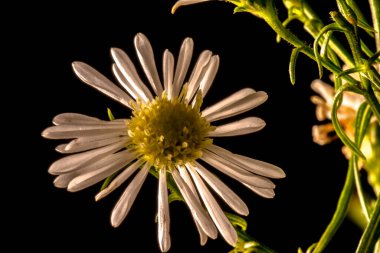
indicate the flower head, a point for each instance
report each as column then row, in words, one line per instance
column 323, row 134
column 168, row 134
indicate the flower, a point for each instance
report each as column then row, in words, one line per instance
column 323, row 134
column 167, row 134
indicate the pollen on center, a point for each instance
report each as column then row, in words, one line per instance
column 168, row 132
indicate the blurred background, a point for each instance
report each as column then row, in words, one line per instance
column 59, row 34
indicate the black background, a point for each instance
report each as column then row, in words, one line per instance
column 52, row 36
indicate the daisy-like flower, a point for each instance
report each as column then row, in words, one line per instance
column 324, row 134
column 168, row 133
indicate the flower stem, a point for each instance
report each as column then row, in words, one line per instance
column 359, row 189
column 258, row 246
column 375, row 11
column 340, row 212
column 272, row 19
column 334, row 44
column 372, row 232
column 373, row 102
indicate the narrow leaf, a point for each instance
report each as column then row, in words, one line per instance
column 292, row 64
column 338, row 128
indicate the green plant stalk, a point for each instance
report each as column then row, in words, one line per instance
column 370, row 96
column 373, row 102
column 272, row 19
column 244, row 236
column 375, row 12
column 359, row 189
column 372, row 232
column 340, row 212
column 333, row 43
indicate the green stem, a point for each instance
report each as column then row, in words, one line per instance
column 334, row 44
column 373, row 102
column 359, row 188
column 247, row 238
column 375, row 12
column 340, row 212
column 372, row 232
column 272, row 19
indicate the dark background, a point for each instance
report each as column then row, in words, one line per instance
column 51, row 37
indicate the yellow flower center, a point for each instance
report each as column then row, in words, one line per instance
column 168, row 132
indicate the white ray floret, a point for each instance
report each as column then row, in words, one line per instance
column 126, row 200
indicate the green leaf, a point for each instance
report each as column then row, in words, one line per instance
column 363, row 118
column 372, row 232
column 292, row 64
column 338, row 128
column 107, row 181
column 373, row 58
column 362, row 22
column 325, row 44
column 237, row 221
column 174, row 197
column 285, row 24
column 340, row 212
column 325, row 29
column 366, row 27
column 350, row 71
column 110, row 115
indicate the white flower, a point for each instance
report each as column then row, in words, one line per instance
column 323, row 134
column 167, row 134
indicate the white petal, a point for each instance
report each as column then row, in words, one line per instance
column 163, row 213
column 234, row 171
column 75, row 131
column 228, row 101
column 119, row 179
column 77, row 161
column 100, row 170
column 145, row 53
column 127, row 68
column 80, row 143
column 352, row 100
column 186, row 2
column 263, row 192
column 77, row 145
column 324, row 89
column 74, row 118
column 240, row 127
column 122, row 207
column 208, row 77
column 184, row 59
column 247, row 163
column 168, row 72
column 234, row 105
column 62, row 181
column 125, row 83
column 61, row 148
column 187, row 179
column 93, row 78
column 196, row 209
column 197, row 74
column 231, row 199
column 223, row 224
